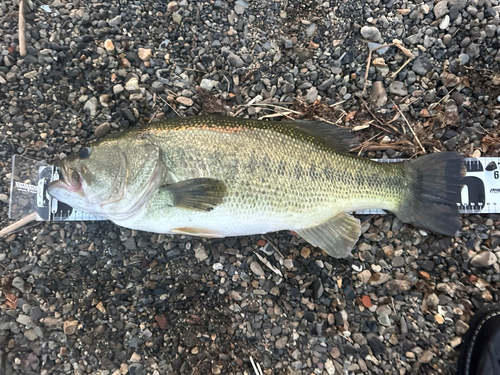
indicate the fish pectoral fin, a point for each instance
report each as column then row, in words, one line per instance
column 336, row 236
column 198, row 194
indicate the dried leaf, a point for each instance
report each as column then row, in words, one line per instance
column 424, row 113
column 350, row 116
column 11, row 300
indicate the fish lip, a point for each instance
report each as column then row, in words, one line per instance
column 58, row 184
column 70, row 184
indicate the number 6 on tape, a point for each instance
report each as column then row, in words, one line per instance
column 481, row 193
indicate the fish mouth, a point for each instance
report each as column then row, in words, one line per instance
column 71, row 178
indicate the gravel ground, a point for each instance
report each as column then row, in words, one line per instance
column 94, row 298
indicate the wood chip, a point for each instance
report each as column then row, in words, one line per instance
column 379, row 61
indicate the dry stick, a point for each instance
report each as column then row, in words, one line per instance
column 277, row 114
column 366, row 72
column 447, row 95
column 260, row 370
column 273, row 106
column 7, row 15
column 246, row 105
column 337, row 103
column 379, row 121
column 407, row 53
column 272, row 245
column 367, row 220
column 332, row 123
column 196, row 367
column 268, row 264
column 381, row 147
column 411, row 129
column 154, row 115
column 369, row 62
column 18, row 224
column 167, row 103
column 22, row 26
column 401, row 68
column 362, row 145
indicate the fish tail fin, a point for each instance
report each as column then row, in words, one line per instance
column 435, row 188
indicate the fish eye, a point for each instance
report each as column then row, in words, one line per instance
column 84, row 152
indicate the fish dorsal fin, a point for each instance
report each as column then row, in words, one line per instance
column 198, row 194
column 336, row 236
column 339, row 139
column 324, row 133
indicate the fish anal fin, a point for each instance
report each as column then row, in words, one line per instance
column 198, row 194
column 336, row 236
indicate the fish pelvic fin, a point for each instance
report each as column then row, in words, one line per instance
column 198, row 194
column 336, row 236
column 435, row 188
column 199, row 232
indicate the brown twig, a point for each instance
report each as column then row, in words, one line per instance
column 195, row 368
column 367, row 220
column 382, row 147
column 154, row 114
column 406, row 52
column 368, row 63
column 362, row 145
column 337, row 103
column 277, row 114
column 409, row 126
column 22, row 27
column 7, row 15
column 367, row 70
column 273, row 106
column 378, row 120
column 18, row 224
column 167, row 103
column 272, row 245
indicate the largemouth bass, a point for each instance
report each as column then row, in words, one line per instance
column 219, row 176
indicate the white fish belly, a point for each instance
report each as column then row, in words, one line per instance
column 224, row 222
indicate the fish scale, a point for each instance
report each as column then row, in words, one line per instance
column 261, row 158
column 219, row 176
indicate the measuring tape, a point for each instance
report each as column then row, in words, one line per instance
column 480, row 195
column 481, row 191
